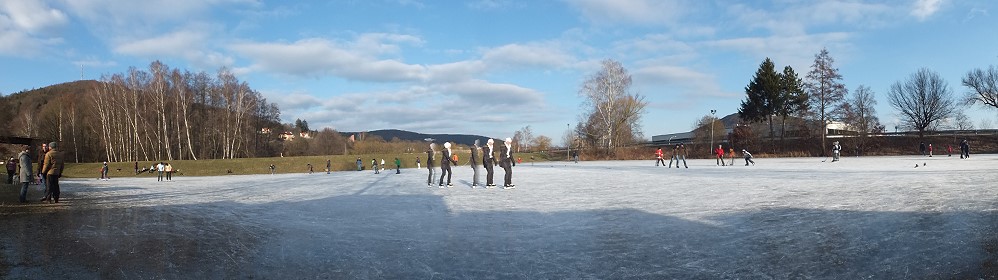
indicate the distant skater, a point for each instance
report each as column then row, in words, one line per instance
column 949, row 150
column 489, row 161
column 398, row 166
column 681, row 155
column 748, row 157
column 360, row 164
column 658, row 157
column 930, row 149
column 429, row 164
column 836, row 148
column 328, row 165
column 720, row 155
column 382, row 165
column 417, row 163
column 474, row 164
column 674, row 156
column 731, row 155
column 507, row 163
column 169, row 172
column 309, row 168
column 964, row 149
column 273, row 169
column 374, row 165
column 921, row 148
column 445, row 161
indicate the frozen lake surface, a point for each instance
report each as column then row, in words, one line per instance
column 871, row 217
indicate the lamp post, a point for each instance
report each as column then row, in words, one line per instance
column 711, row 147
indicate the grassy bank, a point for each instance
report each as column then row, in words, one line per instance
column 242, row 166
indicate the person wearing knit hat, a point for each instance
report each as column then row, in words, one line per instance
column 474, row 163
column 489, row 161
column 429, row 164
column 507, row 163
column 445, row 161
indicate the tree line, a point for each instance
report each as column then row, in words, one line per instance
column 923, row 100
column 153, row 114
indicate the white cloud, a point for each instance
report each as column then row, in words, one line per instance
column 316, row 57
column 687, row 82
column 630, row 11
column 923, row 9
column 32, row 16
column 797, row 51
column 170, row 44
column 528, row 55
column 29, row 28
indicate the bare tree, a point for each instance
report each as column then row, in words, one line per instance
column 542, row 143
column 523, row 138
column 922, row 100
column 983, row 85
column 825, row 90
column 612, row 112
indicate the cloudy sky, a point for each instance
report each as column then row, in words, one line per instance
column 490, row 67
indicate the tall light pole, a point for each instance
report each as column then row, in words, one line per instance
column 711, row 147
column 568, row 148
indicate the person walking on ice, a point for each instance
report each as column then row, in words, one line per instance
column 720, row 155
column 681, row 155
column 658, row 157
column 489, row 161
column 748, row 157
column 507, row 163
column 445, row 161
column 836, row 148
column 474, row 164
column 429, row 164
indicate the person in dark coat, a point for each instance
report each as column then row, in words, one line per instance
column 11, row 169
column 921, row 148
column 429, row 164
column 474, row 163
column 507, row 163
column 964, row 149
column 489, row 161
column 445, row 161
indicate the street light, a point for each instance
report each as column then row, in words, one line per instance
column 711, row 147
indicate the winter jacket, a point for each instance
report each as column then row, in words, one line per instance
column 506, row 156
column 429, row 159
column 54, row 163
column 746, row 154
column 26, row 176
column 658, row 153
column 487, row 157
column 719, row 152
column 447, row 159
column 474, row 156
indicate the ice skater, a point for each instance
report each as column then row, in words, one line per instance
column 382, row 164
column 836, row 148
column 474, row 164
column 658, row 157
column 930, row 149
column 489, row 161
column 398, row 166
column 309, row 165
column 360, row 164
column 680, row 154
column 748, row 158
column 445, row 161
column 417, row 163
column 507, row 163
column 429, row 164
column 328, row 165
column 720, row 155
column 949, row 150
column 964, row 149
column 273, row 169
column 374, row 165
column 921, row 148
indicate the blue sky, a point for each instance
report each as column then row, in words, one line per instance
column 490, row 67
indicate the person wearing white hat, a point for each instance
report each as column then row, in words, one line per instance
column 445, row 162
column 835, row 151
column 507, row 163
column 489, row 161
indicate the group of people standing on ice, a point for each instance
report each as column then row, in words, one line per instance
column 488, row 160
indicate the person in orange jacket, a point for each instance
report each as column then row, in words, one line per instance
column 658, row 157
column 731, row 154
column 720, row 155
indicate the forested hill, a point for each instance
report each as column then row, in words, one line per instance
column 389, row 134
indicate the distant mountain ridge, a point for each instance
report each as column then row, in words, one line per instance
column 389, row 134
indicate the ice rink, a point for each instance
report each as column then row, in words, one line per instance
column 860, row 218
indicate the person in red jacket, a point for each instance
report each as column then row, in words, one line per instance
column 658, row 157
column 720, row 155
